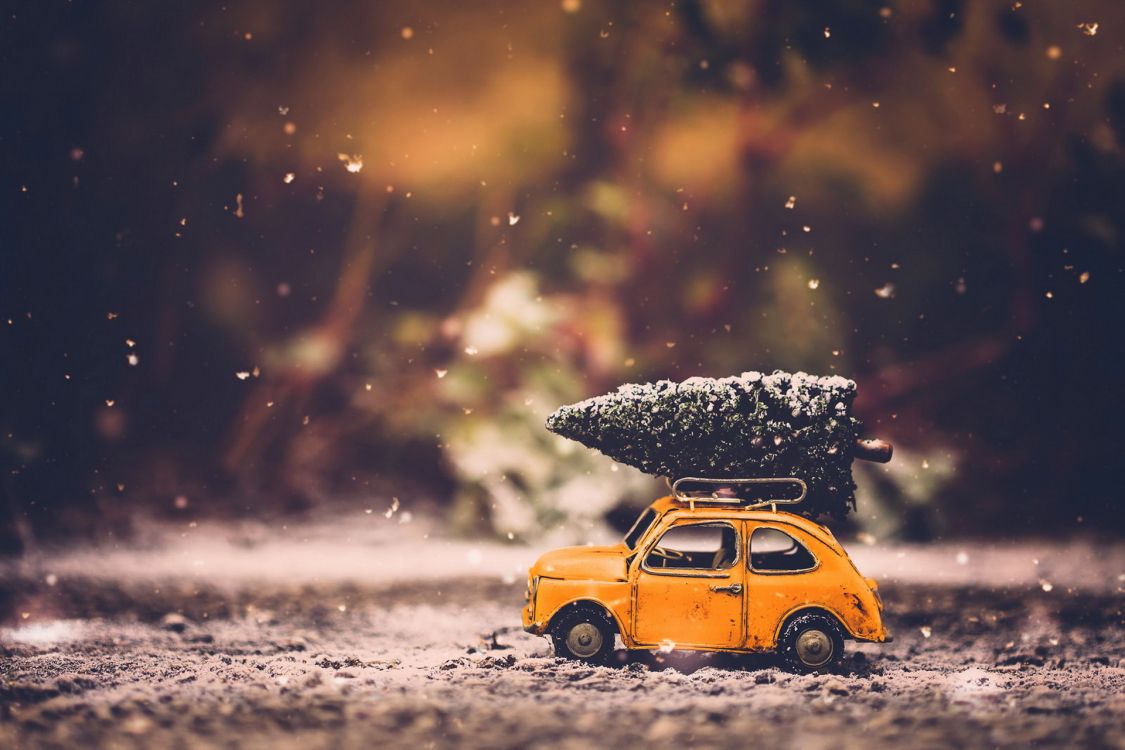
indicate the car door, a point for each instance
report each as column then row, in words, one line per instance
column 689, row 586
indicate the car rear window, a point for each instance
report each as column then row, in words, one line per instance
column 774, row 551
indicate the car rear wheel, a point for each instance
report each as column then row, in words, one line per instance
column 583, row 634
column 812, row 643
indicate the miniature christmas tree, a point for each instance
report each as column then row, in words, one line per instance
column 751, row 425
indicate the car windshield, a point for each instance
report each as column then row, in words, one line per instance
column 641, row 525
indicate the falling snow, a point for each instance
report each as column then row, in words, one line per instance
column 353, row 163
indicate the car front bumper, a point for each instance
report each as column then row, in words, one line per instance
column 529, row 623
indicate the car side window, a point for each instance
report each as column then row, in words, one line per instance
column 696, row 546
column 774, row 551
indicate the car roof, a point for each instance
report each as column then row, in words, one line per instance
column 765, row 515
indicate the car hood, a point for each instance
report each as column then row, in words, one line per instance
column 584, row 563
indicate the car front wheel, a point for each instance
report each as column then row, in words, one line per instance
column 583, row 634
column 812, row 643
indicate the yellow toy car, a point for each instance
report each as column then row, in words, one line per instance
column 709, row 571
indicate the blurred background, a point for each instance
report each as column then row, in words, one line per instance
column 262, row 259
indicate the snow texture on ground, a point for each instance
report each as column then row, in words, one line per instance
column 384, row 635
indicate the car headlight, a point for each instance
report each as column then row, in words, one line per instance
column 532, row 587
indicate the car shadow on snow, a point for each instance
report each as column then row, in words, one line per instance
column 855, row 663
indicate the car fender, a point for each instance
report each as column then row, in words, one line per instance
column 607, row 608
column 789, row 615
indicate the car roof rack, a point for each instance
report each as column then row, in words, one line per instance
column 715, row 491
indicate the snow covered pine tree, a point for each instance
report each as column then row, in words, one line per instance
column 750, row 425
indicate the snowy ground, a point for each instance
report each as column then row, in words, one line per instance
column 364, row 633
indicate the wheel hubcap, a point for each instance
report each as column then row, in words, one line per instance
column 584, row 639
column 814, row 647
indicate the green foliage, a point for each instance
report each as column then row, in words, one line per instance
column 751, row 425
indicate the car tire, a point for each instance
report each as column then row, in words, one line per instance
column 584, row 634
column 811, row 643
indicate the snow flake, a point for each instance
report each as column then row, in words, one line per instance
column 792, row 202
column 926, row 631
column 887, row 291
column 814, row 283
column 1088, row 28
column 353, row 163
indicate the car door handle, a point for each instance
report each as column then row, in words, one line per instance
column 734, row 588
